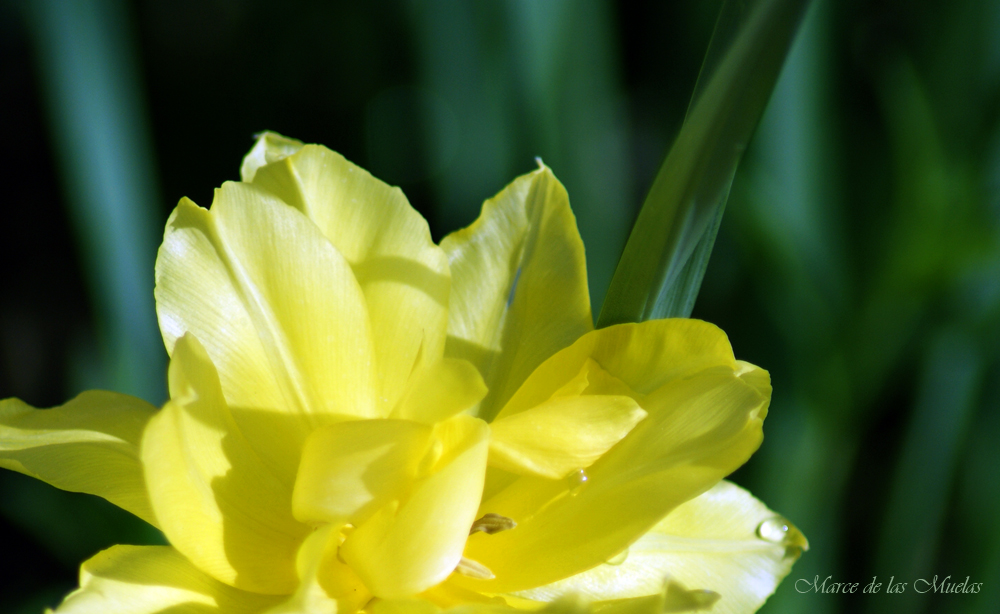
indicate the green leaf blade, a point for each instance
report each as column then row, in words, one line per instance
column 664, row 261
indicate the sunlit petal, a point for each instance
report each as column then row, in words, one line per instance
column 326, row 585
column 216, row 501
column 90, row 444
column 277, row 309
column 403, row 274
column 713, row 542
column 700, row 427
column 671, row 596
column 270, row 147
column 440, row 390
column 642, row 356
column 405, row 549
column 274, row 303
column 351, row 469
column 153, row 580
column 519, row 284
column 561, row 435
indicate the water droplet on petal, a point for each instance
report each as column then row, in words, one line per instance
column 773, row 530
column 778, row 530
column 577, row 480
column 619, row 558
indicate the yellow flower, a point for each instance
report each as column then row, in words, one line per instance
column 361, row 419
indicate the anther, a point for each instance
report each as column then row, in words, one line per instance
column 474, row 569
column 492, row 523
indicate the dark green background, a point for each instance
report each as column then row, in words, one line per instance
column 859, row 260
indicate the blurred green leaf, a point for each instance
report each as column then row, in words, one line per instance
column 664, row 261
column 974, row 531
column 914, row 520
column 100, row 134
column 470, row 133
column 567, row 70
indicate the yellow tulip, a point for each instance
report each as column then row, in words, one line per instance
column 360, row 419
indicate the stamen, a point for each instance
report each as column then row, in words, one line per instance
column 474, row 569
column 492, row 523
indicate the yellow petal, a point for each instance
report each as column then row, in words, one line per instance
column 326, row 586
column 701, row 425
column 405, row 549
column 153, row 580
column 519, row 285
column 403, row 274
column 277, row 309
column 592, row 379
column 672, row 597
column 713, row 542
column 404, row 606
column 710, row 420
column 273, row 302
column 90, row 444
column 216, row 501
column 652, row 604
column 455, row 601
column 447, row 595
column 562, row 435
column 640, row 356
column 440, row 390
column 270, row 147
column 754, row 376
column 351, row 469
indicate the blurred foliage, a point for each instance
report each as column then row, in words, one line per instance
column 859, row 260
